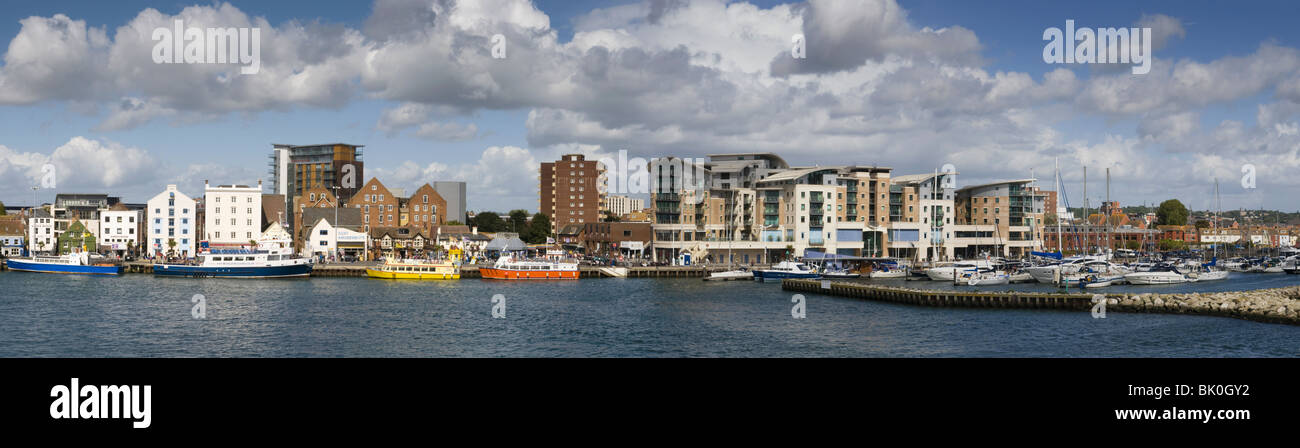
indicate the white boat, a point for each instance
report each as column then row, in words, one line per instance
column 888, row 270
column 1098, row 284
column 1164, row 275
column 786, row 269
column 1209, row 275
column 1021, row 277
column 734, row 274
column 240, row 263
column 839, row 273
column 948, row 271
column 986, row 278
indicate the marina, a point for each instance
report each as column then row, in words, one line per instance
column 141, row 315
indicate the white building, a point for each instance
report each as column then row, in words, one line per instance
column 117, row 230
column 622, row 205
column 171, row 218
column 40, row 232
column 325, row 239
column 233, row 216
column 274, row 237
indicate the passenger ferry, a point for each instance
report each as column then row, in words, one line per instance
column 415, row 270
column 240, row 263
column 75, row 263
column 508, row 268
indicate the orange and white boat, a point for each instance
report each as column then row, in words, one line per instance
column 508, row 268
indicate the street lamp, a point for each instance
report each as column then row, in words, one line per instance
column 335, row 236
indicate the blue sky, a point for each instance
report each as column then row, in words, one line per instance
column 669, row 86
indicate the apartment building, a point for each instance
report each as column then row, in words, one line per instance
column 118, row 228
column 173, row 224
column 755, row 208
column 570, row 190
column 233, row 216
column 619, row 205
column 379, row 206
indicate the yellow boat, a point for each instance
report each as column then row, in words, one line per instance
column 415, row 270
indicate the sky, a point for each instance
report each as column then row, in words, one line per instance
column 911, row 85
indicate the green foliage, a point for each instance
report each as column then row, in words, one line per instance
column 454, row 223
column 489, row 222
column 518, row 221
column 539, row 229
column 1172, row 213
column 1168, row 245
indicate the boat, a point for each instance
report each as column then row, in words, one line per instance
column 839, row 273
column 1021, row 277
column 888, row 270
column 1292, row 267
column 734, row 274
column 1160, row 275
column 74, row 263
column 1098, row 284
column 986, row 277
column 948, row 271
column 509, row 268
column 786, row 269
column 240, row 263
column 415, row 270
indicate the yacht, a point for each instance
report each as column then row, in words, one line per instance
column 734, row 274
column 948, row 271
column 240, row 263
column 786, row 269
column 984, row 277
column 888, row 270
column 1160, row 275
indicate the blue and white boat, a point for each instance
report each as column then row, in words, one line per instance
column 76, row 263
column 786, row 269
column 239, row 263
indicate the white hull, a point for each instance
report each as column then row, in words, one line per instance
column 897, row 273
column 1156, row 278
column 733, row 274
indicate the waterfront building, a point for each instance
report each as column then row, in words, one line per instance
column 234, row 215
column 76, row 239
column 378, row 205
column 13, row 235
column 40, row 232
column 117, row 230
column 758, row 209
column 173, row 224
column 298, row 168
column 454, row 194
column 85, row 207
column 999, row 219
column 1080, row 238
column 570, row 190
column 609, row 239
column 426, row 209
column 399, row 242
column 327, row 238
column 275, row 237
column 1186, row 234
column 462, row 237
column 618, row 205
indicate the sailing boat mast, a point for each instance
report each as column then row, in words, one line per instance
column 1110, row 231
column 1060, row 243
column 1087, row 225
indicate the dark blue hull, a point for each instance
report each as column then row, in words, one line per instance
column 55, row 268
column 765, row 275
column 176, row 270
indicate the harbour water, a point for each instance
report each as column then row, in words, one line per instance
column 140, row 315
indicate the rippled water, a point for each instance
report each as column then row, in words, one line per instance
column 139, row 315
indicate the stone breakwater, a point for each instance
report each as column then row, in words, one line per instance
column 1280, row 305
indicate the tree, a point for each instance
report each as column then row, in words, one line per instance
column 1050, row 219
column 2, row 209
column 1202, row 224
column 540, row 229
column 519, row 221
column 171, row 246
column 1172, row 213
column 611, row 217
column 455, row 223
column 489, row 222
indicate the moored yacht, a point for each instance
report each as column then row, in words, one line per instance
column 786, row 269
column 1160, row 275
column 948, row 271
